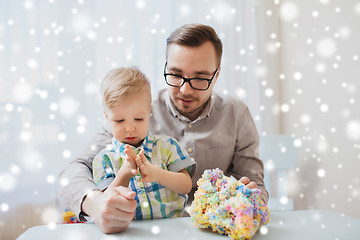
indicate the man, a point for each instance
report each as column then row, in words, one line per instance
column 217, row 132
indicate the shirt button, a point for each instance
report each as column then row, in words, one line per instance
column 189, row 150
column 189, row 125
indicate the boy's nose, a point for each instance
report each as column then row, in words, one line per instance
column 130, row 128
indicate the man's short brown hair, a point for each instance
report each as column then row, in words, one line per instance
column 194, row 35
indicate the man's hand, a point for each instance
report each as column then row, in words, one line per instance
column 249, row 184
column 112, row 210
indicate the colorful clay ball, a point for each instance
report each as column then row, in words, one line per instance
column 227, row 206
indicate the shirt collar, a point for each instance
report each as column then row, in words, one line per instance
column 171, row 106
column 119, row 147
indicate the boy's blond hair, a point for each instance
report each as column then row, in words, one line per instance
column 123, row 82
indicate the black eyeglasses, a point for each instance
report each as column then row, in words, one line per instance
column 175, row 80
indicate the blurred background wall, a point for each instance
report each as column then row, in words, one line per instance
column 294, row 63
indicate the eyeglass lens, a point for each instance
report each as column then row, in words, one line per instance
column 194, row 83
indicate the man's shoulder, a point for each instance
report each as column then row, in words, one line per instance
column 160, row 98
column 226, row 102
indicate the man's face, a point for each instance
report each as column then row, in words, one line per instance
column 191, row 62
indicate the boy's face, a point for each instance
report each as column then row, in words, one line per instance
column 129, row 120
column 191, row 62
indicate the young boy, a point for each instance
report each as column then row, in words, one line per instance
column 156, row 168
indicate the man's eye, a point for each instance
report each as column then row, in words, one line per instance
column 139, row 119
column 119, row 121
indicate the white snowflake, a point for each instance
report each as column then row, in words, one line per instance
column 326, row 47
column 289, row 11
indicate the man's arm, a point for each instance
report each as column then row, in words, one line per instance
column 111, row 210
column 76, row 179
column 246, row 162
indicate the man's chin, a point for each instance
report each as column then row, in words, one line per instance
column 187, row 111
column 184, row 109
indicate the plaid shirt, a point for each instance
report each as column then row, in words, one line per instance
column 153, row 199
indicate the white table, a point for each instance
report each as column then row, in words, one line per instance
column 293, row 225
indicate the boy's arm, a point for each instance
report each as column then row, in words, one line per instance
column 179, row 182
column 127, row 170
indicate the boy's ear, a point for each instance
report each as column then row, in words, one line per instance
column 106, row 115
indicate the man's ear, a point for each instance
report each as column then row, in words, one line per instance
column 217, row 74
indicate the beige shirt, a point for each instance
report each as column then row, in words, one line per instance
column 224, row 136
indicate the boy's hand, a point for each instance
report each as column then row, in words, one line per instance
column 147, row 170
column 130, row 163
column 127, row 170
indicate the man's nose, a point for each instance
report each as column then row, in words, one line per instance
column 186, row 88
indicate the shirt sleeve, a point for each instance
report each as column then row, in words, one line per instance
column 246, row 160
column 179, row 158
column 103, row 170
column 76, row 180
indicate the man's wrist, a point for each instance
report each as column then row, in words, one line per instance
column 86, row 205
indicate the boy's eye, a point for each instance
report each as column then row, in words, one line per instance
column 139, row 119
column 121, row 120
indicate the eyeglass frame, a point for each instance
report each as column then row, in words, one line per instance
column 188, row 80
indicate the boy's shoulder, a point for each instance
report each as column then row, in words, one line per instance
column 161, row 139
column 107, row 151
